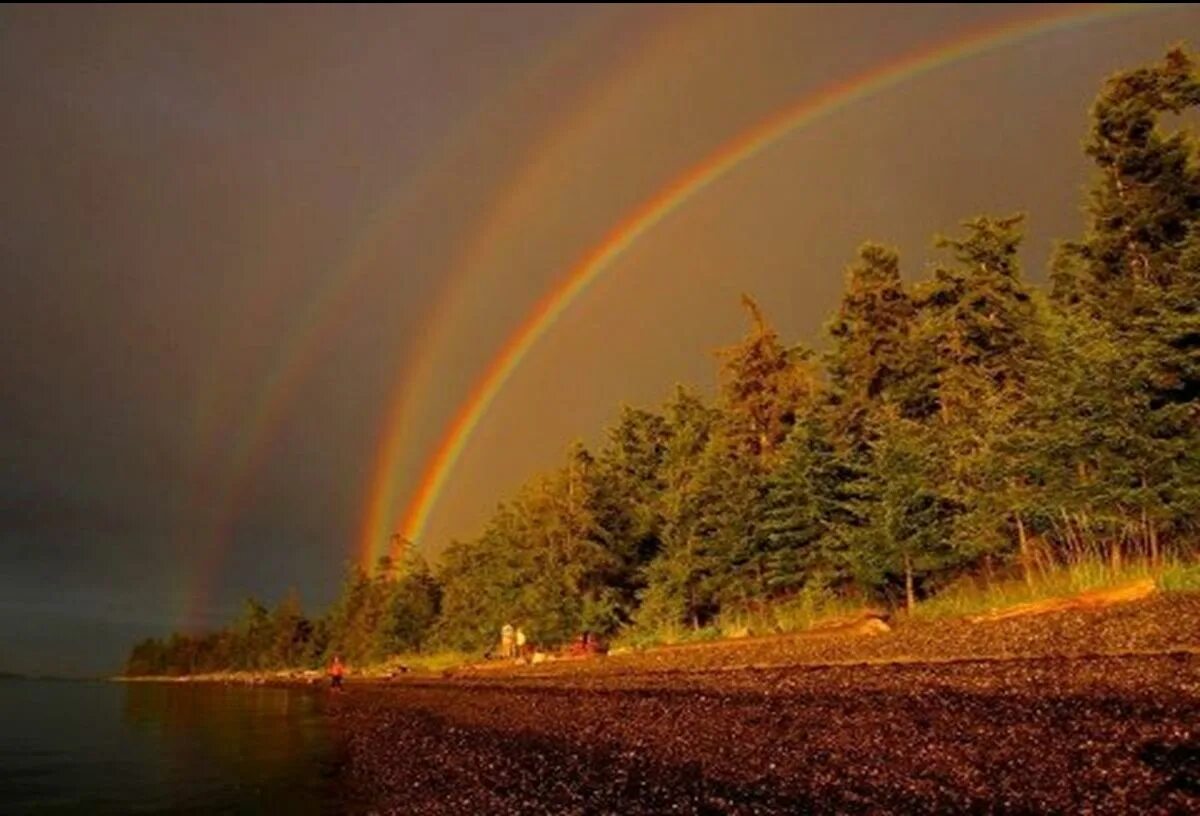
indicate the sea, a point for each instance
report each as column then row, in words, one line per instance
column 100, row 747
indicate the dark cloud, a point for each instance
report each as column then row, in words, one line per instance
column 45, row 514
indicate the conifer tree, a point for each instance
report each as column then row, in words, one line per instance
column 413, row 606
column 805, row 502
column 1146, row 197
column 677, row 579
column 291, row 632
column 764, row 387
column 1129, row 289
column 902, row 541
column 979, row 332
column 870, row 362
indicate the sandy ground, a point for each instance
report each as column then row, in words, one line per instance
column 1019, row 716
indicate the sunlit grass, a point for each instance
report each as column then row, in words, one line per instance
column 802, row 611
column 809, row 609
column 972, row 596
column 1180, row 577
column 644, row 637
column 430, row 662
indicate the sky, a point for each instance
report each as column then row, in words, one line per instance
column 253, row 260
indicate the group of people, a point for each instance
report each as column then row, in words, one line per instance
column 513, row 643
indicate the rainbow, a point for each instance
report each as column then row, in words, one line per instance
column 503, row 217
column 243, row 449
column 660, row 206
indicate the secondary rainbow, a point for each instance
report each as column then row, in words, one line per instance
column 417, row 374
column 235, row 453
column 662, row 204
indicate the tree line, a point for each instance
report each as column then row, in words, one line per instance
column 967, row 423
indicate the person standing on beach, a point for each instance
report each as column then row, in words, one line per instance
column 336, row 671
column 506, row 641
column 520, row 641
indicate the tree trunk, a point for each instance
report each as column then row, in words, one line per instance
column 1023, row 545
column 1150, row 532
column 909, row 599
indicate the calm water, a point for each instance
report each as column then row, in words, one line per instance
column 102, row 748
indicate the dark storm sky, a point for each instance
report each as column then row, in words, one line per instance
column 224, row 231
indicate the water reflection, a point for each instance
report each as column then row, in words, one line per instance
column 242, row 746
column 107, row 748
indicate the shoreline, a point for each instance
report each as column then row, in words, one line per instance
column 1148, row 626
column 280, row 678
column 1094, row 709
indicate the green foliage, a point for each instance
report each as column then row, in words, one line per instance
column 871, row 360
column 414, row 606
column 903, row 537
column 1143, row 204
column 377, row 615
column 807, row 499
column 1180, row 577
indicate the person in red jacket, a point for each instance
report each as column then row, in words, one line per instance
column 336, row 672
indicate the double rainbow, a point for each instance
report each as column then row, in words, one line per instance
column 750, row 143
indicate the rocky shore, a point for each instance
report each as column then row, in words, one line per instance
column 1082, row 711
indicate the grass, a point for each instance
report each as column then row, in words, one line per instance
column 970, row 596
column 432, row 662
column 803, row 611
column 1180, row 577
column 967, row 596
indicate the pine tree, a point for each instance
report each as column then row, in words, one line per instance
column 677, row 578
column 870, row 363
column 1129, row 290
column 902, row 541
column 291, row 632
column 1146, row 197
column 348, row 636
column 413, row 606
column 628, row 485
column 255, row 635
column 980, row 334
column 731, row 485
column 805, row 501
column 764, row 387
